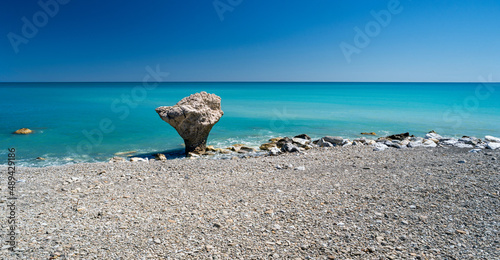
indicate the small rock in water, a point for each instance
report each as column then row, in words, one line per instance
column 23, row 131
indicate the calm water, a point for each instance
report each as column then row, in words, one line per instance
column 68, row 117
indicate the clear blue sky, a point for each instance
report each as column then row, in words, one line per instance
column 95, row 40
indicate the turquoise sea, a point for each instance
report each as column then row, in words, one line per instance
column 90, row 122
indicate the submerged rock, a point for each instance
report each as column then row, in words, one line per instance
column 23, row 131
column 193, row 117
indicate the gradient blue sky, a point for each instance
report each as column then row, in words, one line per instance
column 258, row 40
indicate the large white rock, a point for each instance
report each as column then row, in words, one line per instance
column 493, row 146
column 493, row 139
column 193, row 117
column 433, row 136
column 429, row 143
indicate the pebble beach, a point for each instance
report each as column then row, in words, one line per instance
column 324, row 203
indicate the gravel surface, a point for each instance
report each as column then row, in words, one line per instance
column 327, row 203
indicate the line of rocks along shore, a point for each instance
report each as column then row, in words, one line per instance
column 303, row 142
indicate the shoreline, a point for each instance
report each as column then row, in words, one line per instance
column 342, row 202
column 303, row 142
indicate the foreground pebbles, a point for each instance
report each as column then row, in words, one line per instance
column 325, row 203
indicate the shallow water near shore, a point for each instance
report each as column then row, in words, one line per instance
column 90, row 122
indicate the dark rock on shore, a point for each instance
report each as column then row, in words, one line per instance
column 303, row 136
column 283, row 141
column 400, row 137
column 290, row 148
